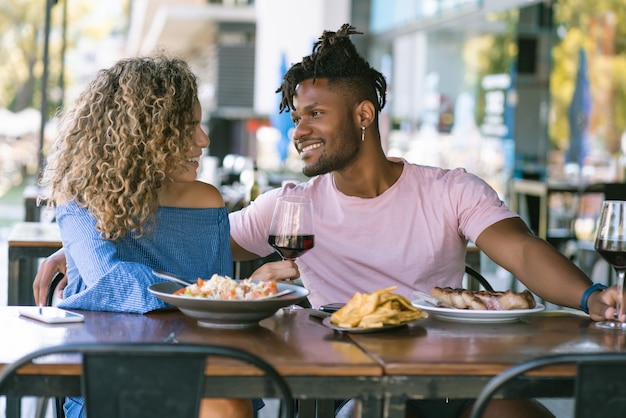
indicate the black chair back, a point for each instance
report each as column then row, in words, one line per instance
column 599, row 390
column 142, row 382
column 474, row 275
column 135, row 380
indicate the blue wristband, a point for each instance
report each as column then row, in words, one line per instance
column 589, row 291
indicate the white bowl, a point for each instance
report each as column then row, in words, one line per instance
column 228, row 313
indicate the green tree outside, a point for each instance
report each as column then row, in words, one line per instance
column 22, row 24
column 599, row 27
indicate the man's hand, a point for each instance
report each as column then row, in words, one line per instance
column 602, row 304
column 276, row 270
column 49, row 268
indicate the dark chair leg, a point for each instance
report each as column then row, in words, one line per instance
column 58, row 406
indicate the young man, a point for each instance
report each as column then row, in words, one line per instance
column 381, row 221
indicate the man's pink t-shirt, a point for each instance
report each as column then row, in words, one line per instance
column 412, row 236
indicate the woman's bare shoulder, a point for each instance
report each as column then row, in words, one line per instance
column 205, row 195
column 196, row 194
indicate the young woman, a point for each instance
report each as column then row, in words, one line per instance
column 122, row 175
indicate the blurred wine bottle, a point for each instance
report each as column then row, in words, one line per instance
column 255, row 187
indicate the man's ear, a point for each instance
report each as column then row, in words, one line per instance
column 365, row 112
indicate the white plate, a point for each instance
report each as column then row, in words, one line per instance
column 326, row 321
column 469, row 315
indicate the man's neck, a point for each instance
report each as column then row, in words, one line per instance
column 367, row 178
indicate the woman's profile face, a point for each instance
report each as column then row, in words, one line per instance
column 199, row 141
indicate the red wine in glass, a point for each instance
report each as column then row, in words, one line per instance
column 614, row 252
column 291, row 231
column 610, row 243
column 291, row 247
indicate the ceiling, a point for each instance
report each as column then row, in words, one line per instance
column 181, row 28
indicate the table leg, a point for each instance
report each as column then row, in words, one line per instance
column 13, row 407
column 20, row 278
column 306, row 408
column 325, row 408
column 371, row 408
column 13, row 279
column 395, row 407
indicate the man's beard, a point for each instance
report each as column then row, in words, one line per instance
column 340, row 159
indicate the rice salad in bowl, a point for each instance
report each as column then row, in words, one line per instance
column 224, row 288
column 221, row 302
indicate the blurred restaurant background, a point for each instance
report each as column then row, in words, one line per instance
column 508, row 89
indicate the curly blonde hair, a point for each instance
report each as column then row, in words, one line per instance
column 128, row 129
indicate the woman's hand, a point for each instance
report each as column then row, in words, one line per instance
column 48, row 269
column 276, row 270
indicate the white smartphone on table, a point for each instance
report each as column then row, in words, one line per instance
column 50, row 314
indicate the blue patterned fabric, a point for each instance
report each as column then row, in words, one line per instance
column 107, row 276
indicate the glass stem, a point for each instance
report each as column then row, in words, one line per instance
column 619, row 306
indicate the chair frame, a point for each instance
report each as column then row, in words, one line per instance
column 52, row 288
column 472, row 273
column 599, row 378
column 174, row 362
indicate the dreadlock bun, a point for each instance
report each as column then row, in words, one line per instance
column 334, row 57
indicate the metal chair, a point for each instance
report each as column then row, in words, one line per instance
column 599, row 390
column 52, row 288
column 136, row 380
column 474, row 275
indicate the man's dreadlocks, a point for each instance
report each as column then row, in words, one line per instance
column 335, row 58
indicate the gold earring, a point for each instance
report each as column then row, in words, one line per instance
column 362, row 133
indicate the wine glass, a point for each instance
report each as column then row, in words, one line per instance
column 291, row 232
column 610, row 243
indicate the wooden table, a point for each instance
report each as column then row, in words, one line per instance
column 435, row 359
column 27, row 242
column 429, row 359
column 317, row 362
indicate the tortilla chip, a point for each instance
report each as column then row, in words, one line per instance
column 346, row 315
column 375, row 310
